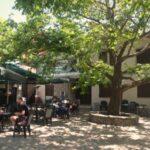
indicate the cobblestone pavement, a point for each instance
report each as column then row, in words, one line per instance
column 79, row 134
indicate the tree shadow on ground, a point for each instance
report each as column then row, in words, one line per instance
column 78, row 133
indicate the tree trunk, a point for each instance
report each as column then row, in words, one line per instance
column 116, row 93
column 115, row 102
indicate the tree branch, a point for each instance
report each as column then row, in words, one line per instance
column 131, row 45
column 145, row 34
column 99, row 1
column 128, row 78
column 114, row 4
column 123, row 25
column 133, row 21
column 126, row 87
column 125, row 44
column 137, row 53
column 93, row 19
column 106, row 74
column 110, row 10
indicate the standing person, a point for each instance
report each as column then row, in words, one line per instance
column 62, row 96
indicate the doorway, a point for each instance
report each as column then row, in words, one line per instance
column 85, row 99
column 2, row 96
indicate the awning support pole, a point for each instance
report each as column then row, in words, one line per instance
column 7, row 92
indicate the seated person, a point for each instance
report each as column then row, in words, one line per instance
column 74, row 107
column 22, row 111
column 54, row 99
column 62, row 111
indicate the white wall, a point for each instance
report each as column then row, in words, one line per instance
column 95, row 95
column 19, row 90
column 66, row 87
column 58, row 88
column 30, row 89
column 132, row 96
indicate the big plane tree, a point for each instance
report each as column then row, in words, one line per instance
column 113, row 27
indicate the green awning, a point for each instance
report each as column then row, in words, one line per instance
column 61, row 74
column 25, row 73
column 7, row 75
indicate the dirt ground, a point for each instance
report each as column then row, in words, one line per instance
column 79, row 134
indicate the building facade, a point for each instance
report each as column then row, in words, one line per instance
column 140, row 94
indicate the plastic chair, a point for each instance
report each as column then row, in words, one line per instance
column 125, row 105
column 133, row 107
column 48, row 114
column 103, row 106
column 1, row 122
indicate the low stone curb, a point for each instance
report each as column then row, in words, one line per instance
column 127, row 120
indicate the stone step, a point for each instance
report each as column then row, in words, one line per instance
column 85, row 108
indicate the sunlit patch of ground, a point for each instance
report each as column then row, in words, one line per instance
column 78, row 133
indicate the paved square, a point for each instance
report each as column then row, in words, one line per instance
column 79, row 134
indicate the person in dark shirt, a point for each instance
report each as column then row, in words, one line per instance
column 62, row 96
column 22, row 111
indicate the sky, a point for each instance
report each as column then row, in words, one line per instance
column 6, row 10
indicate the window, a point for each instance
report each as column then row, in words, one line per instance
column 104, row 91
column 106, row 57
column 144, row 58
column 49, row 90
column 144, row 90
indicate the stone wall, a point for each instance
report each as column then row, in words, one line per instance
column 113, row 120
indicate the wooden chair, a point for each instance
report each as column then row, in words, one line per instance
column 1, row 126
column 24, row 124
column 1, row 122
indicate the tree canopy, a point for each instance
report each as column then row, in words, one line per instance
column 6, row 32
column 86, row 30
column 109, row 25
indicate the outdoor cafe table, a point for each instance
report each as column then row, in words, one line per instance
column 4, row 116
column 143, row 110
column 38, row 110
